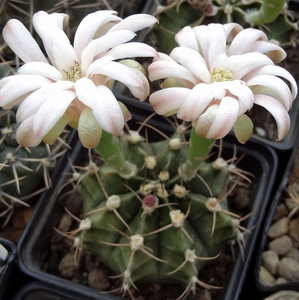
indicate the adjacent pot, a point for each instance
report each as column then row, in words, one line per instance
column 279, row 212
column 259, row 160
column 38, row 290
column 6, row 265
column 282, row 295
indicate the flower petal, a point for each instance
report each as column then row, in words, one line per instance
column 202, row 35
column 108, row 112
column 135, row 23
column 92, row 25
column 244, row 39
column 60, row 19
column 51, row 111
column 59, row 126
column 130, row 77
column 192, row 61
column 132, row 49
column 217, row 121
column 58, row 86
column 243, row 64
column 273, row 51
column 87, row 92
column 275, row 71
column 56, row 42
column 17, row 89
column 101, row 45
column 186, row 38
column 31, row 104
column 164, row 69
column 196, row 102
column 168, row 101
column 272, row 86
column 217, row 35
column 278, row 111
column 163, row 57
column 25, row 135
column 242, row 92
column 231, row 30
column 42, row 69
column 19, row 39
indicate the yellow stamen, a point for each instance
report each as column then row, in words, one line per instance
column 219, row 75
column 74, row 73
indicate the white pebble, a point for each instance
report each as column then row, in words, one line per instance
column 288, row 268
column 270, row 261
column 281, row 245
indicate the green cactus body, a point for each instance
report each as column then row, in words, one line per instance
column 159, row 229
column 21, row 171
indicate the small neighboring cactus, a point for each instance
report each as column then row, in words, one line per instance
column 22, row 170
column 156, row 227
column 271, row 16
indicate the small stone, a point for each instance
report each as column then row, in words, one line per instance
column 279, row 228
column 260, row 131
column 293, row 253
column 296, row 244
column 294, row 229
column 290, row 203
column 65, row 222
column 280, row 280
column 281, row 245
column 266, row 276
column 98, row 279
column 288, row 268
column 270, row 261
column 280, row 212
column 67, row 266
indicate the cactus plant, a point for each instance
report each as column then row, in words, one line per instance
column 156, row 221
column 22, row 170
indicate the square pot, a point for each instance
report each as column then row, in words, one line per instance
column 259, row 160
column 36, row 290
column 6, row 265
column 278, row 199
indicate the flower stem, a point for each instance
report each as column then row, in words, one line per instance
column 108, row 148
column 199, row 149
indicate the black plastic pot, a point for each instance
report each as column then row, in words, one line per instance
column 6, row 266
column 278, row 198
column 42, row 291
column 259, row 160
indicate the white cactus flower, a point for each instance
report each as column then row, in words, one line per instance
column 219, row 72
column 73, row 85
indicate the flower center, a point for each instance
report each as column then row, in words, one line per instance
column 74, row 73
column 219, row 75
